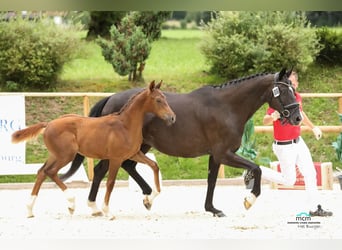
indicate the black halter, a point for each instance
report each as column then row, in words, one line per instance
column 284, row 113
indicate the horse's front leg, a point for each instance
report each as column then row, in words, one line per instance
column 130, row 167
column 212, row 177
column 100, row 171
column 235, row 160
column 113, row 170
column 142, row 158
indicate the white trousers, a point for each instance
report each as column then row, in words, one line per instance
column 289, row 156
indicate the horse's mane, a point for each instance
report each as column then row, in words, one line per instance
column 236, row 81
column 129, row 102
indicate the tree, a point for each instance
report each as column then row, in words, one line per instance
column 151, row 22
column 130, row 42
column 101, row 21
column 325, row 18
column 128, row 46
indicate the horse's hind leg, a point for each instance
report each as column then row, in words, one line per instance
column 41, row 176
column 142, row 158
column 52, row 173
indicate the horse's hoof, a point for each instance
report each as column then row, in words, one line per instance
column 219, row 214
column 147, row 204
column 97, row 214
column 112, row 217
column 149, row 199
column 30, row 216
column 249, row 201
column 71, row 210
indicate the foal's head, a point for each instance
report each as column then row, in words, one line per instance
column 158, row 104
column 284, row 99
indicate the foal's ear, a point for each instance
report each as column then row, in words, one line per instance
column 159, row 84
column 282, row 73
column 152, row 86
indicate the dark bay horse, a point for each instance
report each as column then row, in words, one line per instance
column 115, row 137
column 210, row 120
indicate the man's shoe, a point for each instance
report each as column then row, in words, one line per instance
column 248, row 176
column 320, row 212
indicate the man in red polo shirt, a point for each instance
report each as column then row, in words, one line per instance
column 291, row 150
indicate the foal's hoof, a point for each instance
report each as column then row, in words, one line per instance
column 97, row 214
column 249, row 201
column 71, row 210
column 71, row 204
column 30, row 216
column 149, row 199
column 147, row 204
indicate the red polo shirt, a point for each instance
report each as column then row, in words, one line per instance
column 287, row 131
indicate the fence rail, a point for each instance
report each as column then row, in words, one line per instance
column 258, row 129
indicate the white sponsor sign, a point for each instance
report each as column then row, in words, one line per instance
column 12, row 156
column 12, row 118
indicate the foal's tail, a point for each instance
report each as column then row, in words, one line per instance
column 28, row 133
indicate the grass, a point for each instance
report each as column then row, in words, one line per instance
column 176, row 60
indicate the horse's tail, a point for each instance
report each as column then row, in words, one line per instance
column 75, row 165
column 95, row 111
column 28, row 133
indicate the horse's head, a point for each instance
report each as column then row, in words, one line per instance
column 159, row 105
column 284, row 100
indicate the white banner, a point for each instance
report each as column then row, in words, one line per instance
column 12, row 118
column 12, row 156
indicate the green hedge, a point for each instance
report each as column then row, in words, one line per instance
column 241, row 43
column 331, row 54
column 32, row 53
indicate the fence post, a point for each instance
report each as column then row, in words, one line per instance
column 221, row 174
column 90, row 161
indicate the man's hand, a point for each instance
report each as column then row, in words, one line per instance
column 275, row 115
column 317, row 132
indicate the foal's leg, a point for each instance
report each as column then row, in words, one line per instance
column 114, row 166
column 52, row 173
column 142, row 158
column 41, row 176
column 130, row 167
column 100, row 171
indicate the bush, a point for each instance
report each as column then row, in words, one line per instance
column 32, row 54
column 240, row 43
column 127, row 48
column 331, row 54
